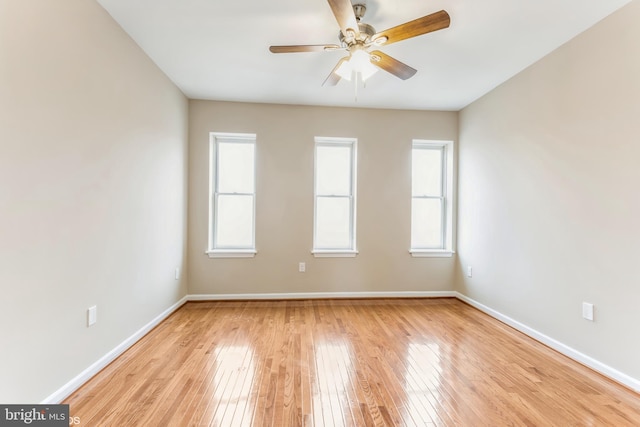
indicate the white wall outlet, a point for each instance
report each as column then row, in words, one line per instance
column 302, row 267
column 177, row 276
column 587, row 311
column 469, row 271
column 92, row 315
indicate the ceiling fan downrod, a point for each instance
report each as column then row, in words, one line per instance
column 359, row 10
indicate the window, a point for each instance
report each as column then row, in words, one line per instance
column 431, row 195
column 334, row 228
column 232, row 195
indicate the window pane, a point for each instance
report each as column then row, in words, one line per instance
column 426, row 224
column 235, row 167
column 333, row 223
column 333, row 170
column 234, row 222
column 426, row 172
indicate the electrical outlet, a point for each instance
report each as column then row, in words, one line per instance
column 92, row 315
column 302, row 267
column 587, row 311
column 177, row 276
column 469, row 271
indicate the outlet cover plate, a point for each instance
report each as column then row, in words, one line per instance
column 587, row 311
column 92, row 315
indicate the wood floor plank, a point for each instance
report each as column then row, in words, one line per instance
column 406, row 362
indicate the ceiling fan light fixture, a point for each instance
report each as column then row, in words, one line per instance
column 344, row 70
column 367, row 71
column 359, row 59
column 359, row 62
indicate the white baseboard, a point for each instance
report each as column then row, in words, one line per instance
column 101, row 363
column 96, row 367
column 572, row 353
column 321, row 295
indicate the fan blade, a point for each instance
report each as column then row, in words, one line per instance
column 417, row 27
column 343, row 11
column 333, row 78
column 392, row 65
column 304, row 48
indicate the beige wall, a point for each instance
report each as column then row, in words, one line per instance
column 285, row 145
column 93, row 149
column 549, row 205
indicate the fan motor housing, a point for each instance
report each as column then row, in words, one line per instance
column 366, row 32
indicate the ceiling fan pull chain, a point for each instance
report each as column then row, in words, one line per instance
column 355, row 86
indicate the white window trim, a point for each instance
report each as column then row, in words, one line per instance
column 448, row 183
column 431, row 253
column 352, row 143
column 321, row 253
column 214, row 138
column 228, row 253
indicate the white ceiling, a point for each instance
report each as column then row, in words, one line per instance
column 214, row 49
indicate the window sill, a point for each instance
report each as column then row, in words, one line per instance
column 230, row 253
column 334, row 254
column 431, row 253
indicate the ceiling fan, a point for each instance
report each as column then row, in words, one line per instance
column 359, row 38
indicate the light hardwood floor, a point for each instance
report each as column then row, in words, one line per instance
column 413, row 362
